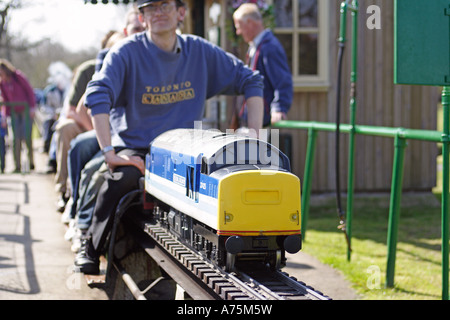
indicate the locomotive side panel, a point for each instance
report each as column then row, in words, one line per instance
column 180, row 185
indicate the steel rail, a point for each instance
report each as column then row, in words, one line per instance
column 228, row 285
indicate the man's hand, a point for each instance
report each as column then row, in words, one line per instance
column 278, row 116
column 113, row 161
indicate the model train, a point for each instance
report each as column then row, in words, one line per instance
column 229, row 197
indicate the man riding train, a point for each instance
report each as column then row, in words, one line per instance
column 158, row 57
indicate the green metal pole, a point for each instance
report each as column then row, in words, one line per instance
column 351, row 157
column 343, row 26
column 445, row 192
column 341, row 41
column 307, row 179
column 394, row 208
column 388, row 132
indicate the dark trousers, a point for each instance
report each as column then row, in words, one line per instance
column 47, row 127
column 22, row 128
column 116, row 185
column 2, row 152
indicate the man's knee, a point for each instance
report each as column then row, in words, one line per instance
column 66, row 125
column 126, row 177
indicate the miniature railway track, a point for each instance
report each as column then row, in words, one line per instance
column 242, row 284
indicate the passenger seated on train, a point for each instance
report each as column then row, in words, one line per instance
column 156, row 81
column 84, row 157
column 75, row 122
column 84, row 145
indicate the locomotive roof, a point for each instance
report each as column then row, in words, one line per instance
column 212, row 145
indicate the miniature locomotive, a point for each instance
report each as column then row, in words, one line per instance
column 229, row 197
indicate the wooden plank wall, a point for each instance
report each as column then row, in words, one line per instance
column 380, row 103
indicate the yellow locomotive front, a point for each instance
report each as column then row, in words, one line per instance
column 259, row 211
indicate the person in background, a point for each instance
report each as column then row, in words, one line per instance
column 15, row 87
column 155, row 81
column 266, row 55
column 68, row 127
column 52, row 104
column 54, row 107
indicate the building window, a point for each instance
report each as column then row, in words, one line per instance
column 301, row 26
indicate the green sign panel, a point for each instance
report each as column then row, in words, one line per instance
column 422, row 42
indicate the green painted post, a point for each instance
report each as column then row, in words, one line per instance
column 394, row 208
column 344, row 225
column 445, row 192
column 343, row 26
column 354, row 7
column 351, row 156
column 307, row 179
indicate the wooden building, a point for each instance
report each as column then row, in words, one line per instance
column 309, row 30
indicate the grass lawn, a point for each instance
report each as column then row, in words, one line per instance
column 418, row 272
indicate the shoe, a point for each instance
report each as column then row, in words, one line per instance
column 50, row 170
column 71, row 230
column 66, row 216
column 61, row 203
column 84, row 263
column 77, row 240
column 51, row 167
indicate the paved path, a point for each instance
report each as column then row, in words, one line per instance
column 36, row 261
column 319, row 276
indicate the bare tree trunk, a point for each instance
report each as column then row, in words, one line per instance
column 3, row 15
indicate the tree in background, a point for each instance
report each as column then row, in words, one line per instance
column 34, row 58
column 5, row 7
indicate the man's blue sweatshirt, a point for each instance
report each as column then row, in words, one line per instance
column 148, row 91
